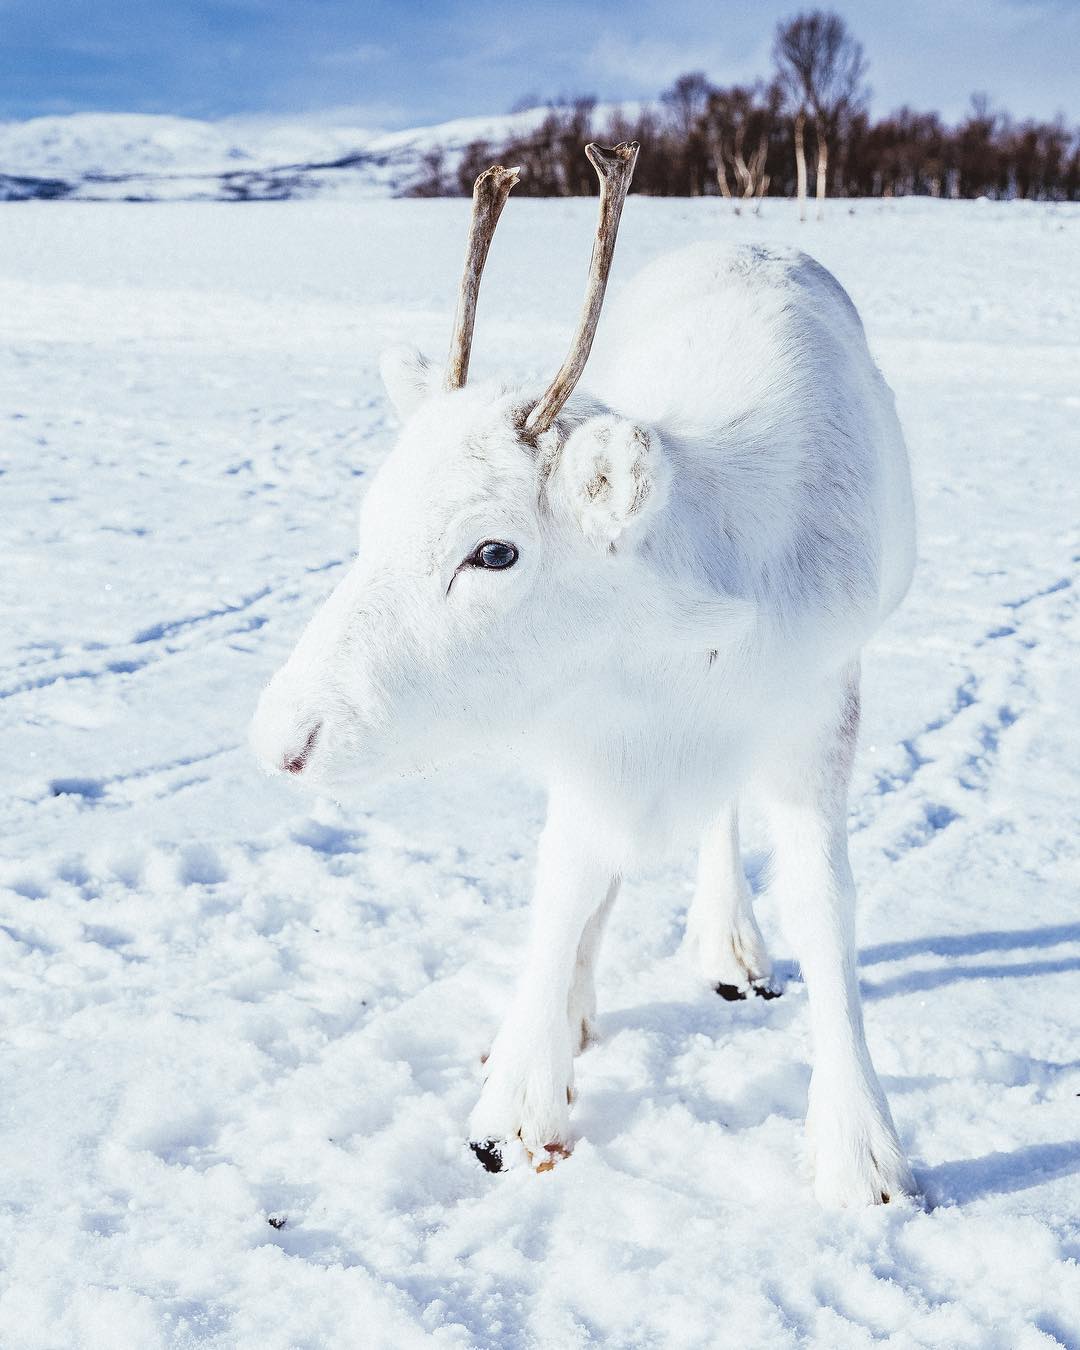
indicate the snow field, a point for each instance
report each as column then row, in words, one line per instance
column 226, row 1004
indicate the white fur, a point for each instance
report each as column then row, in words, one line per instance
column 705, row 542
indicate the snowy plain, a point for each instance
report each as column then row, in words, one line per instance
column 242, row 1029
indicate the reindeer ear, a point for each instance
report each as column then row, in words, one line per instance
column 612, row 476
column 409, row 378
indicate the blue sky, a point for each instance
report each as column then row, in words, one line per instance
column 379, row 63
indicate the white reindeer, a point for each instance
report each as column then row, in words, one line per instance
column 654, row 597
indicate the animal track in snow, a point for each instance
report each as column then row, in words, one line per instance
column 199, row 865
column 1062, row 584
column 935, row 818
column 89, row 789
column 153, row 639
column 166, row 627
column 973, row 763
column 108, row 791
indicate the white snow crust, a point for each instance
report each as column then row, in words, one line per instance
column 225, row 1004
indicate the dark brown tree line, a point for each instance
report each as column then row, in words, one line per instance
column 806, row 129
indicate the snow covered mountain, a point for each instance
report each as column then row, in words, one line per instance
column 126, row 156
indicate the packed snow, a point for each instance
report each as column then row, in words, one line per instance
column 243, row 1028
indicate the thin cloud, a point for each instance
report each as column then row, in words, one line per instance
column 363, row 54
column 650, row 63
column 451, row 58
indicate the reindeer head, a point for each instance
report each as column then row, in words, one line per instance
column 490, row 543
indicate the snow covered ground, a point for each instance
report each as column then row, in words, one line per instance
column 154, row 157
column 242, row 1029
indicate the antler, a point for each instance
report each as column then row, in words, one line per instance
column 615, row 168
column 490, row 192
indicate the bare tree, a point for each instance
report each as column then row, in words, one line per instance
column 686, row 102
column 800, row 160
column 822, row 69
column 735, row 119
column 432, row 179
column 749, row 141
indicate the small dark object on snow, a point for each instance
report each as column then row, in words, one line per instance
column 277, row 1220
column 487, row 1150
column 733, row 994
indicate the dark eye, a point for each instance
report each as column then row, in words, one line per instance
column 494, row 555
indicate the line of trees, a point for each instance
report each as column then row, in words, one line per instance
column 749, row 141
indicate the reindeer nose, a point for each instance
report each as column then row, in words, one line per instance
column 295, row 762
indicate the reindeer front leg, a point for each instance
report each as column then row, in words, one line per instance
column 529, row 1072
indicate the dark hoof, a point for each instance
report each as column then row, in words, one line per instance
column 489, row 1154
column 733, row 994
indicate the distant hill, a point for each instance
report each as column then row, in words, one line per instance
column 134, row 156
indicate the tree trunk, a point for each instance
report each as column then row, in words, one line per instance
column 757, row 174
column 800, row 163
column 721, row 168
column 822, row 172
column 742, row 174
